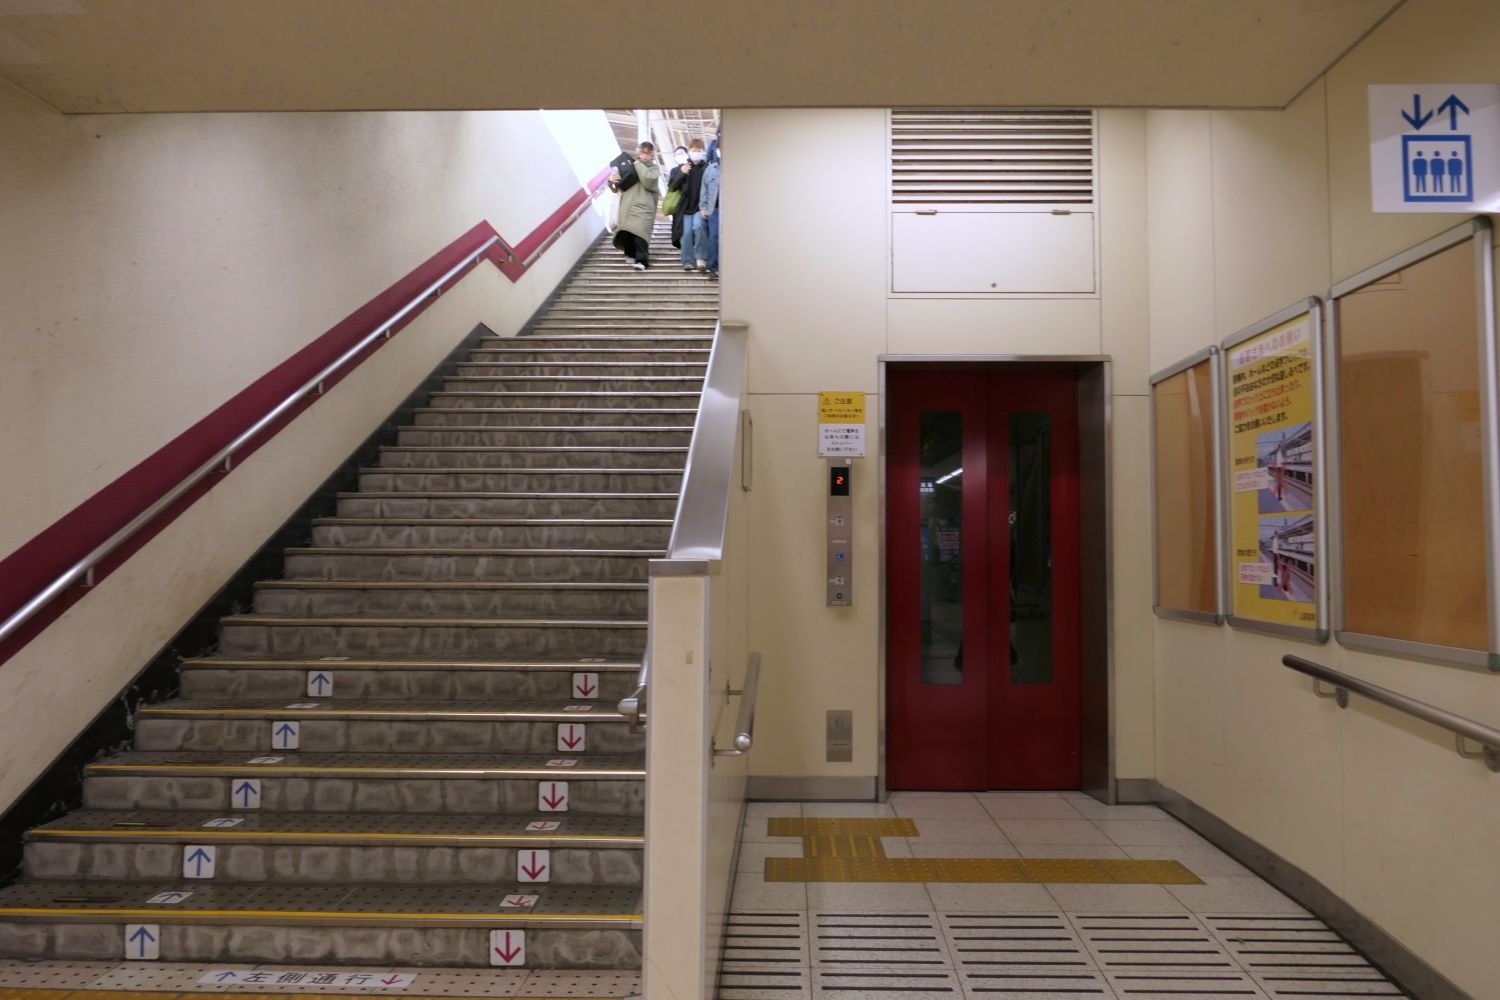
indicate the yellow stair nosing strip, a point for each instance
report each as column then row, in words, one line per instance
column 302, row 771
column 325, row 916
column 332, row 711
column 575, row 840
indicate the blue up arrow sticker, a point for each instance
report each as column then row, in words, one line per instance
column 198, row 861
column 143, row 942
column 1435, row 147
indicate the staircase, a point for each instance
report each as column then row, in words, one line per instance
column 409, row 753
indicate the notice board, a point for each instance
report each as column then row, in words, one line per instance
column 1273, row 476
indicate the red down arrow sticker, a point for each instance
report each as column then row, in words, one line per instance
column 571, row 736
column 507, row 948
column 585, row 685
column 552, row 796
column 533, row 866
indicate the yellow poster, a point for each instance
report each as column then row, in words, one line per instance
column 1272, row 478
column 841, row 407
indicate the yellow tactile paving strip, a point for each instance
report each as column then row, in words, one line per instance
column 32, row 993
column 1080, row 870
column 793, row 826
column 850, row 850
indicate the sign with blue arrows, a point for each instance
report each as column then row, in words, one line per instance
column 142, row 942
column 320, row 683
column 1435, row 147
column 198, row 862
column 244, row 793
column 285, row 735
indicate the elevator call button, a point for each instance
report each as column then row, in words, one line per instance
column 840, row 525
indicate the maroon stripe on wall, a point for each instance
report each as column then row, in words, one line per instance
column 32, row 568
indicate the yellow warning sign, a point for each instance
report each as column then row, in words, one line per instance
column 841, row 407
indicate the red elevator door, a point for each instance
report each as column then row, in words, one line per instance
column 983, row 586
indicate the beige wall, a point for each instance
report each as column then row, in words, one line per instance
column 156, row 266
column 810, row 279
column 1250, row 211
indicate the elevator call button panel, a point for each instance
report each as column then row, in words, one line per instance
column 840, row 534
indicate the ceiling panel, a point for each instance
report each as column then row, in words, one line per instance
column 216, row 55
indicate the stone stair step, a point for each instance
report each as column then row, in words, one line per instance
column 547, row 437
column 558, row 341
column 506, row 368
column 264, row 635
column 334, row 847
column 635, row 328
column 316, row 597
column 484, row 783
column 528, row 504
column 573, row 533
column 572, row 384
column 407, row 680
column 349, row 726
column 579, row 480
column 538, row 565
column 533, row 416
column 569, row 927
column 533, row 456
column 521, row 354
column 598, row 399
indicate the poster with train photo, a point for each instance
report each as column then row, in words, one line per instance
column 1273, row 476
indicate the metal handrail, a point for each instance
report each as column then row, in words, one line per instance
column 633, row 705
column 557, row 233
column 697, row 541
column 224, row 457
column 1462, row 729
column 744, row 729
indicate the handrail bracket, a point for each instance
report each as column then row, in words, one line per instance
column 1338, row 694
column 1490, row 755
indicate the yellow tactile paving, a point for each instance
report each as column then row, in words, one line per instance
column 796, row 826
column 34, row 993
column 825, row 846
column 1014, row 870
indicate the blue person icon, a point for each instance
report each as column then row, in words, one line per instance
column 1455, row 173
column 1419, row 171
column 1438, row 169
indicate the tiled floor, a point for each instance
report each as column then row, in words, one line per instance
column 1232, row 936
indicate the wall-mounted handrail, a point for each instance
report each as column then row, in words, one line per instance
column 744, row 728
column 1462, row 729
column 83, row 570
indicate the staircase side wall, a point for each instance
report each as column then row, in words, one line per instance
column 159, row 264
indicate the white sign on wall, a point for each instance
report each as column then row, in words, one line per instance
column 1435, row 147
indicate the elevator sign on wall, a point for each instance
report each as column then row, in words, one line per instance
column 1435, row 147
column 841, row 425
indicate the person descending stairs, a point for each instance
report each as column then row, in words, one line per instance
column 409, row 754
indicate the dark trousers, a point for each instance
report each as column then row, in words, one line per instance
column 633, row 246
column 677, row 229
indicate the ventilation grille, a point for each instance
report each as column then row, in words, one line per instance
column 957, row 157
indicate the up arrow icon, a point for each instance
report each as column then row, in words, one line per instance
column 1452, row 106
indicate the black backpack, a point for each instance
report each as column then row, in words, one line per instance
column 624, row 165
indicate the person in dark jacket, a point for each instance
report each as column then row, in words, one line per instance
column 694, row 226
column 680, row 159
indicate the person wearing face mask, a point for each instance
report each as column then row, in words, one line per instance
column 694, row 226
column 674, row 182
column 638, row 208
column 708, row 207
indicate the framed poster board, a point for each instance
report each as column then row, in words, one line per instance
column 1412, row 360
column 1185, row 475
column 1273, row 457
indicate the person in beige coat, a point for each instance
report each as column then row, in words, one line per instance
column 638, row 208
